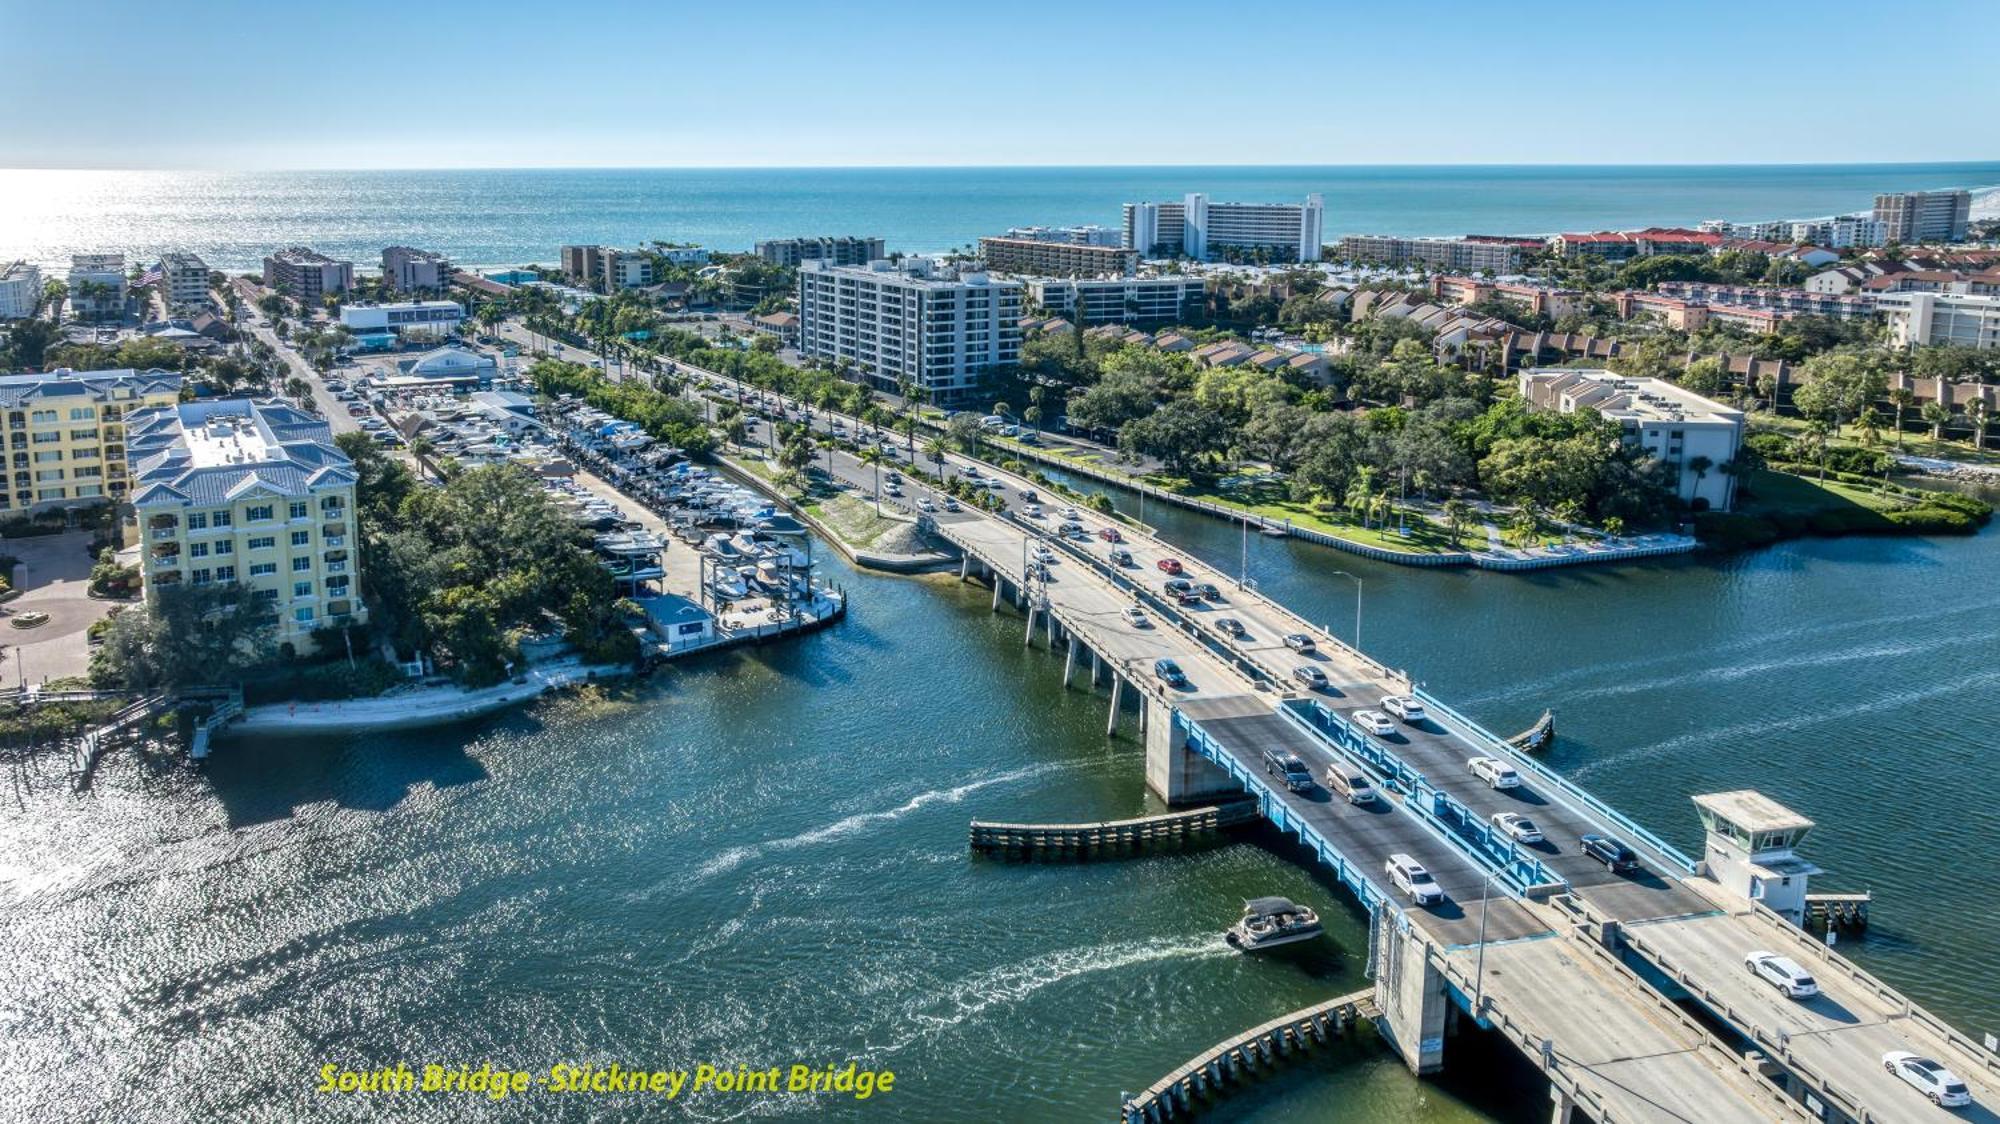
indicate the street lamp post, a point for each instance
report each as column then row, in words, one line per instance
column 1479, row 967
column 1357, row 606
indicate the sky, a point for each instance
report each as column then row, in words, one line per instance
column 508, row 83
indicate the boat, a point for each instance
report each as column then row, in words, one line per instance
column 1270, row 922
column 1273, row 531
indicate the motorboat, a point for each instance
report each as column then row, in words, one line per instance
column 1271, row 922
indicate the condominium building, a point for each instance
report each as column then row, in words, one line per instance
column 1057, row 259
column 917, row 319
column 683, row 255
column 1540, row 300
column 1800, row 301
column 97, row 286
column 249, row 493
column 1924, row 216
column 1459, row 255
column 184, row 281
column 1682, row 429
column 406, row 269
column 20, row 291
column 306, row 275
column 1689, row 315
column 1090, row 235
column 1120, row 300
column 833, row 251
column 379, row 325
column 607, row 270
column 1959, row 319
column 66, row 432
column 1199, row 228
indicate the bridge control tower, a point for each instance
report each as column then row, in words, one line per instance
column 1749, row 849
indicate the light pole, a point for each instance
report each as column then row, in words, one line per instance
column 1479, row 967
column 1357, row 606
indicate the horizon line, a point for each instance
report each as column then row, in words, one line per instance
column 992, row 167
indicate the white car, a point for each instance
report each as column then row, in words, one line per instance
column 1405, row 707
column 1409, row 876
column 1032, row 511
column 1373, row 721
column 1783, row 973
column 1941, row 1085
column 1517, row 827
column 1071, row 513
column 1299, row 642
column 1044, row 554
column 1137, row 617
column 1493, row 771
column 925, row 504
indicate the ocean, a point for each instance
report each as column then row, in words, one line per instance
column 511, row 217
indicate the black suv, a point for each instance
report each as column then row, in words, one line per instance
column 1616, row 856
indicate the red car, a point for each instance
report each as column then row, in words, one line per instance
column 1170, row 565
column 1110, row 534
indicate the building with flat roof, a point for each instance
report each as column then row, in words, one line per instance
column 184, row 281
column 66, row 432
column 305, row 275
column 408, row 319
column 1199, row 228
column 607, row 270
column 918, row 319
column 1057, row 259
column 1087, row 235
column 1691, row 434
column 254, row 494
column 1540, row 300
column 1751, row 848
column 1120, row 300
column 1456, row 255
column 406, row 269
column 834, row 251
column 1924, row 216
column 97, row 286
column 20, row 291
column 1958, row 319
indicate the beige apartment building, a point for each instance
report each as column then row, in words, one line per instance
column 66, row 433
column 1036, row 258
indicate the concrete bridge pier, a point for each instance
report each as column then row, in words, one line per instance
column 1175, row 773
column 964, row 566
column 1411, row 993
column 1117, row 696
column 1563, row 1108
column 1028, row 637
column 999, row 583
column 1069, row 661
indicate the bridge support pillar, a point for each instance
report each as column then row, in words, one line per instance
column 1563, row 1109
column 999, row 583
column 964, row 566
column 1111, row 723
column 1069, row 661
column 1028, row 637
column 1175, row 773
column 1411, row 994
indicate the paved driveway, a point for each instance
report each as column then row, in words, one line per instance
column 54, row 575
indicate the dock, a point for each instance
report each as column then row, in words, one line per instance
column 1086, row 840
column 1241, row 1059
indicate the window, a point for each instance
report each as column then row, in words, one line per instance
column 202, row 577
column 198, row 550
column 301, row 538
column 88, row 472
column 302, row 589
column 222, row 519
column 257, row 514
column 51, row 494
column 263, row 569
column 197, row 520
column 83, row 435
column 225, row 573
column 41, row 417
column 267, row 595
column 300, row 565
column 82, row 413
column 298, row 511
column 49, row 456
column 48, row 474
column 47, row 438
column 261, row 542
column 88, row 453
column 225, row 546
column 303, row 614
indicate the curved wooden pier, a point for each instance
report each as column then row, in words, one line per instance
column 1079, row 840
column 1242, row 1057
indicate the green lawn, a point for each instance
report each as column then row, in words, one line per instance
column 1271, row 501
column 1781, row 493
column 1915, row 444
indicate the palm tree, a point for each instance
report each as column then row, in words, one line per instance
column 1978, row 413
column 1869, row 421
column 873, row 456
column 935, row 450
column 1938, row 415
column 735, row 430
column 1361, row 493
column 1902, row 398
column 908, row 424
column 1457, row 515
column 1697, row 465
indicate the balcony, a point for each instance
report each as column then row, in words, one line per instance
column 334, row 540
column 336, row 567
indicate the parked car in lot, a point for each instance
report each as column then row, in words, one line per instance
column 1299, row 642
column 1616, row 856
column 1517, row 827
column 1110, row 534
column 1170, row 673
column 1783, row 973
column 1284, row 763
column 1350, row 782
column 1405, row 707
column 1170, row 565
column 1229, row 626
column 1409, row 877
column 1373, row 721
column 1313, row 678
column 1495, row 772
column 1942, row 1086
column 1136, row 617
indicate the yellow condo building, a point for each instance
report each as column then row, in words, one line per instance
column 254, row 493
column 66, row 433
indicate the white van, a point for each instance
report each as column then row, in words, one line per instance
column 1351, row 782
column 1409, row 876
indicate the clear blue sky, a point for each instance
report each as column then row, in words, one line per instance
column 509, row 83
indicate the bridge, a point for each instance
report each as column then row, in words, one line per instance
column 1628, row 990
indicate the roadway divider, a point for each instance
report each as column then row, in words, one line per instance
column 1610, row 818
column 1458, row 824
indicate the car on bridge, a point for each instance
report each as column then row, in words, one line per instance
column 1373, row 721
column 950, row 504
column 1941, row 1085
column 1229, row 626
column 1351, row 782
column 1405, row 707
column 1032, row 511
column 1517, row 827
column 1495, row 772
column 1409, row 876
column 1174, row 587
column 1044, row 554
column 1313, row 678
column 1170, row 565
column 1209, row 592
column 1783, row 973
column 1616, row 857
column 1110, row 534
column 1137, row 618
column 924, row 504
column 1121, row 557
column 1284, row 763
column 1299, row 642
column 1170, row 673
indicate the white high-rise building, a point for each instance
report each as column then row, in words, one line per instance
column 184, row 280
column 917, row 319
column 20, row 291
column 1202, row 229
column 1911, row 217
column 1958, row 319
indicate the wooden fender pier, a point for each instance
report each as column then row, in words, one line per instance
column 1081, row 840
column 1239, row 1059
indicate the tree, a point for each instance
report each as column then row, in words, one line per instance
column 1699, row 465
column 1902, row 398
column 1186, row 438
column 1837, row 386
column 795, row 455
column 28, row 342
column 1457, row 517
column 1977, row 414
column 935, row 450
column 1706, row 376
column 872, row 456
column 187, row 635
column 735, row 430
column 1870, row 423
column 1937, row 415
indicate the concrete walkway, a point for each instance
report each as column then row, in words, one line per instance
column 54, row 576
